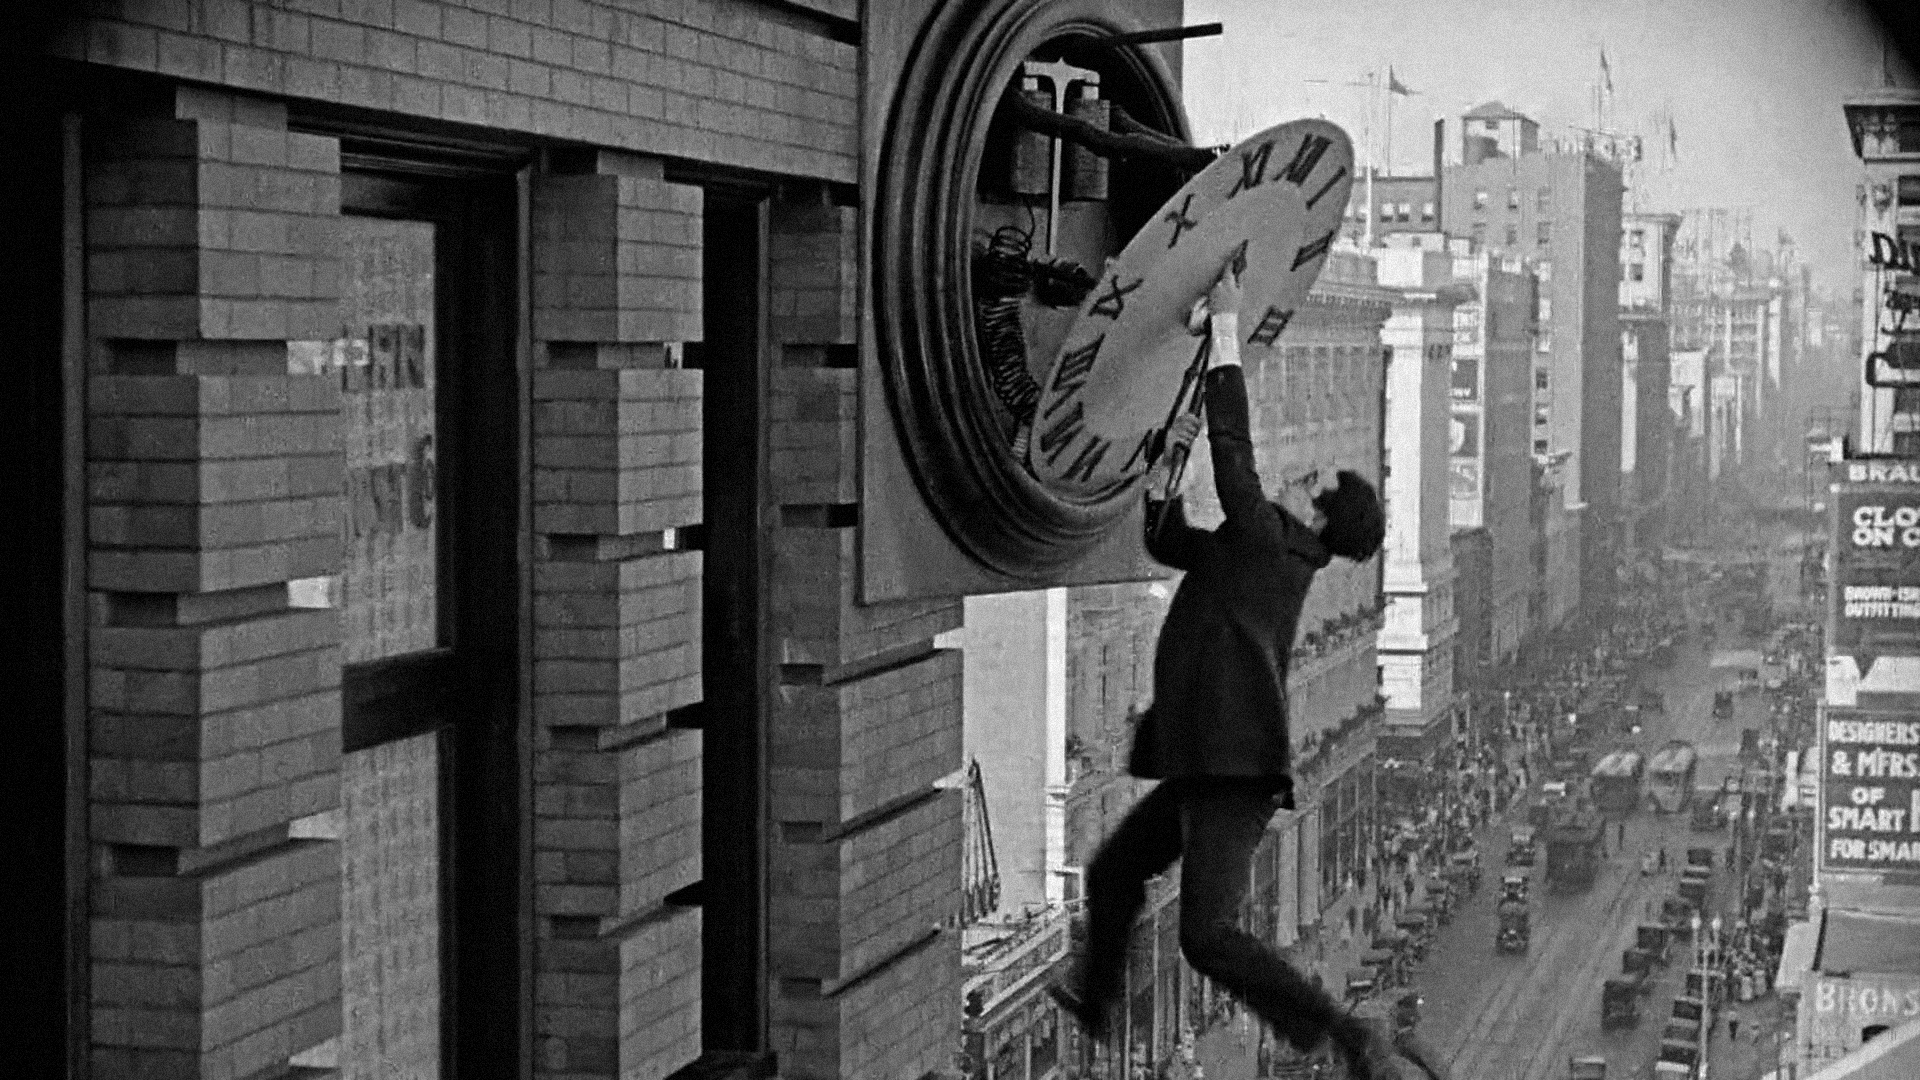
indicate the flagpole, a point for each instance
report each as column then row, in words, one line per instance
column 1373, row 78
column 1388, row 156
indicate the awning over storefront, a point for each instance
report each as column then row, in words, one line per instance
column 1893, row 1056
column 1796, row 956
column 1867, row 942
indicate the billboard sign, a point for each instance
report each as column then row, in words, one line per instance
column 1870, row 791
column 1465, row 482
column 1465, row 378
column 1836, row 1009
column 1875, row 594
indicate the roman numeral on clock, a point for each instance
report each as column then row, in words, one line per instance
column 1181, row 222
column 1075, row 366
column 1253, row 168
column 1315, row 250
column 1112, row 302
column 1271, row 325
column 1057, row 437
column 1328, row 186
column 1088, row 459
column 1305, row 157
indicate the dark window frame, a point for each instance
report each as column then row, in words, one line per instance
column 473, row 690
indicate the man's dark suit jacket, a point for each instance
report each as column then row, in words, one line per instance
column 1220, row 671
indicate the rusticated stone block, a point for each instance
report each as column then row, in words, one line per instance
column 842, row 750
column 842, row 904
column 616, row 452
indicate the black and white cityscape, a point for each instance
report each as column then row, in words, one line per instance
column 811, row 539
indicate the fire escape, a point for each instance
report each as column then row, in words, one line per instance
column 979, row 871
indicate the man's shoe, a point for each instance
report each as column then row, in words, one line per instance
column 1091, row 1018
column 1374, row 1059
column 1413, row 1050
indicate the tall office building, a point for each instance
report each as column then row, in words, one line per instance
column 1562, row 211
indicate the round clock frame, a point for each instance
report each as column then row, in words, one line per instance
column 923, row 223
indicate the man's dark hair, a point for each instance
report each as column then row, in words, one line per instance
column 1356, row 525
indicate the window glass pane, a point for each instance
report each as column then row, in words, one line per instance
column 390, row 911
column 390, row 835
column 385, row 353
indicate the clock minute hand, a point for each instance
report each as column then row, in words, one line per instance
column 1194, row 383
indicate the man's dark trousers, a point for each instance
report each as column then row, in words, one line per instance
column 1213, row 826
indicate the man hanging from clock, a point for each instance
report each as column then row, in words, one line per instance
column 1216, row 734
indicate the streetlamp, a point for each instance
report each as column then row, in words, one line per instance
column 1699, row 944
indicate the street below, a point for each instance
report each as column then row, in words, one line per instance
column 1495, row 1016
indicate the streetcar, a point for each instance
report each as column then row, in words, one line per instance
column 1616, row 782
column 1670, row 777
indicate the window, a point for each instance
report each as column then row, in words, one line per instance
column 1513, row 235
column 1405, row 212
column 1909, row 191
column 1386, row 211
column 1493, row 125
column 1539, row 446
column 1543, row 271
column 1426, row 212
column 1542, row 379
column 1909, row 138
column 1479, row 235
column 1513, row 198
column 1544, row 200
column 1637, row 240
column 1543, row 233
column 1541, row 414
column 1480, row 199
column 1636, row 272
column 1546, row 308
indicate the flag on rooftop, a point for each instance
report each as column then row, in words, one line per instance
column 1606, row 70
column 1395, row 86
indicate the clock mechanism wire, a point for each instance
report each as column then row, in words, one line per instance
column 1005, row 273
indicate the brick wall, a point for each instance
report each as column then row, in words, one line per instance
column 214, row 478
column 709, row 80
column 617, row 629
column 866, row 856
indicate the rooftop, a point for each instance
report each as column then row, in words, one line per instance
column 1493, row 110
column 1868, row 942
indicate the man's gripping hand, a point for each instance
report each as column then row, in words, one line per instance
column 1181, row 434
column 1218, row 314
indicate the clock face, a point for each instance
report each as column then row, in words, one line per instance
column 1275, row 204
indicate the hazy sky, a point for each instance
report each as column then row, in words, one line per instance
column 1753, row 86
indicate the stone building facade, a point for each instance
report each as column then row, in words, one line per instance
column 1416, row 641
column 461, row 644
column 1562, row 210
column 1492, row 394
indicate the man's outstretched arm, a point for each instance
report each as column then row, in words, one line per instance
column 1229, row 428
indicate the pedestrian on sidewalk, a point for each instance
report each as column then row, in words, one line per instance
column 1216, row 735
column 1733, row 1023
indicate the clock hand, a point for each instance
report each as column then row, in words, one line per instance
column 1191, row 381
